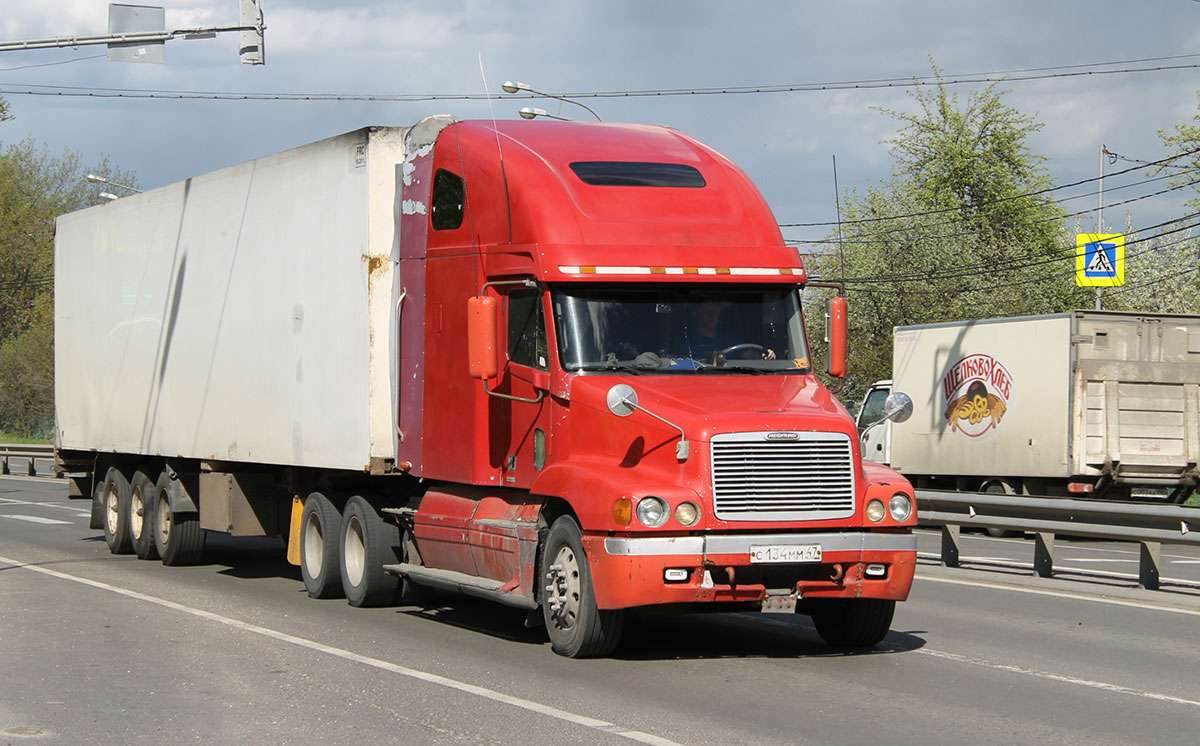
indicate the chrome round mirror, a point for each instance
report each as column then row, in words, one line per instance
column 898, row 407
column 622, row 400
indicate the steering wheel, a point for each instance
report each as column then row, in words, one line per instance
column 743, row 347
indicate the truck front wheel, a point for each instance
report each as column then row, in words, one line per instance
column 852, row 622
column 115, row 497
column 577, row 628
column 320, row 525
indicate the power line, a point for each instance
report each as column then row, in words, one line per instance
column 53, row 64
column 1026, row 74
column 961, row 234
column 989, row 203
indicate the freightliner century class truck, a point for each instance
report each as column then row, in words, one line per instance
column 562, row 366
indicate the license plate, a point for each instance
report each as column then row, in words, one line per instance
column 785, row 553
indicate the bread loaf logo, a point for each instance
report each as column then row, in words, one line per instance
column 977, row 390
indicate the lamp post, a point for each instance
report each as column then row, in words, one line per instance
column 512, row 87
column 529, row 112
column 107, row 195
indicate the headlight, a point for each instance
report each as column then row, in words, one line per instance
column 652, row 511
column 687, row 514
column 900, row 507
column 875, row 511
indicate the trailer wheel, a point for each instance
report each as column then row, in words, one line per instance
column 142, row 498
column 368, row 542
column 852, row 622
column 320, row 525
column 178, row 538
column 999, row 488
column 97, row 518
column 577, row 628
column 115, row 498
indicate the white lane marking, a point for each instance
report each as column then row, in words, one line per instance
column 1185, row 562
column 1103, row 685
column 36, row 519
column 1097, row 559
column 1024, row 671
column 412, row 673
column 6, row 501
column 1062, row 594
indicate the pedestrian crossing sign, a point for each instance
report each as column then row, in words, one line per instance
column 1099, row 259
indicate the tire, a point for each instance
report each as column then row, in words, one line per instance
column 367, row 543
column 852, row 622
column 97, row 517
column 143, row 496
column 577, row 628
column 178, row 538
column 320, row 527
column 115, row 498
column 996, row 488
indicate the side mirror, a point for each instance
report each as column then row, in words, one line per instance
column 898, row 407
column 481, row 338
column 836, row 334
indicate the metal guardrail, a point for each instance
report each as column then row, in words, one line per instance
column 1150, row 525
column 30, row 454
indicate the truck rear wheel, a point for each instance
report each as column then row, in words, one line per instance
column 368, row 542
column 115, row 496
column 178, row 537
column 320, row 525
column 852, row 622
column 577, row 628
column 142, row 497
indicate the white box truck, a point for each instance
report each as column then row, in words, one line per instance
column 1103, row 403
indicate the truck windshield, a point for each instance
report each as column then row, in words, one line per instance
column 680, row 328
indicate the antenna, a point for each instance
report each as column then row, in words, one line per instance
column 499, row 150
column 837, row 200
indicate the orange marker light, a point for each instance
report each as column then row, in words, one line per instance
column 622, row 511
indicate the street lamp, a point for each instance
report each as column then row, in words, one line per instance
column 107, row 195
column 511, row 87
column 529, row 112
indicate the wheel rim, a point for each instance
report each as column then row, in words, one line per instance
column 163, row 520
column 112, row 509
column 314, row 546
column 137, row 514
column 354, row 557
column 564, row 589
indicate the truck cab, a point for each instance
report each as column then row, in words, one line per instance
column 874, row 430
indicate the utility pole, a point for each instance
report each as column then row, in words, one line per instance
column 137, row 33
column 1100, row 212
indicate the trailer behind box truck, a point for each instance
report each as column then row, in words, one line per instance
column 1099, row 403
column 474, row 356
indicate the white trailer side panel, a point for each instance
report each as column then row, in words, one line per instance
column 229, row 316
column 990, row 398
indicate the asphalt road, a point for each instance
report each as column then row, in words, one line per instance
column 104, row 649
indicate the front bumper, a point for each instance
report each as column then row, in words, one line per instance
column 630, row 571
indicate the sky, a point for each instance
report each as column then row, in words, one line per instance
column 786, row 141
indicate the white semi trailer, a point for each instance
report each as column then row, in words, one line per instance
column 1098, row 403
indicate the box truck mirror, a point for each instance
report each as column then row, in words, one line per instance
column 835, row 335
column 481, row 337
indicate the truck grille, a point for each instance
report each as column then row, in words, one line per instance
column 793, row 476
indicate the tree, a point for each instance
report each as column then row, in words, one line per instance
column 35, row 187
column 965, row 228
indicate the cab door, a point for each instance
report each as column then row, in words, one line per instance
column 876, row 438
column 526, row 380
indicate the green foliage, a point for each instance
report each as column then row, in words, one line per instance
column 964, row 229
column 35, row 187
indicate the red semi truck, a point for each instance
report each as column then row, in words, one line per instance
column 561, row 366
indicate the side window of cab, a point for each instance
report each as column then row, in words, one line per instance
column 448, row 200
column 527, row 329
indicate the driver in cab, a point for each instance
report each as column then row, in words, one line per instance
column 703, row 338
